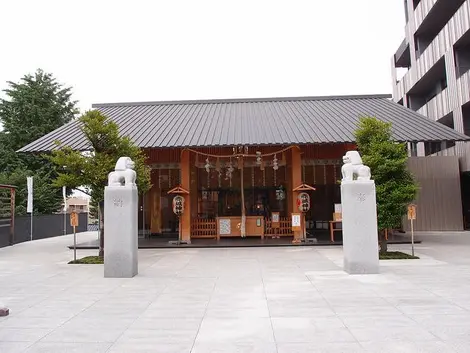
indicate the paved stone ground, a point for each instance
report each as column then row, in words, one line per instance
column 256, row 300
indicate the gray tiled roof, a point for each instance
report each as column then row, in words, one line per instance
column 299, row 120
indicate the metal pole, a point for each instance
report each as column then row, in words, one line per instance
column 99, row 220
column 305, row 228
column 143, row 215
column 74, row 245
column 412, row 240
column 88, row 212
column 179, row 230
column 65, row 209
column 31, row 226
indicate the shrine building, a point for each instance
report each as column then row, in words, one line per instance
column 240, row 162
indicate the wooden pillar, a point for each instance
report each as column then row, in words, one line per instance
column 154, row 205
column 296, row 178
column 186, row 184
column 289, row 186
column 155, row 210
column 193, row 191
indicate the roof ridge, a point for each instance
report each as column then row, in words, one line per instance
column 245, row 100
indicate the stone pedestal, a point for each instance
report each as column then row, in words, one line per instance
column 360, row 239
column 121, row 233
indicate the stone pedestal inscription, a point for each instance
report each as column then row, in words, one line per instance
column 359, row 217
column 120, row 222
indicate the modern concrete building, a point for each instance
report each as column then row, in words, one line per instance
column 435, row 56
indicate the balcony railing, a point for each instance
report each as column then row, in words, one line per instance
column 422, row 10
column 437, row 107
column 401, row 50
column 457, row 26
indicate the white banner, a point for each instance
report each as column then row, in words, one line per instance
column 64, row 194
column 29, row 183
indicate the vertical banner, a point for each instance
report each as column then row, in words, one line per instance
column 64, row 194
column 29, row 183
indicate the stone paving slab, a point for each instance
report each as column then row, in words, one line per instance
column 245, row 300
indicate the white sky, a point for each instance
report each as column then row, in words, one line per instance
column 112, row 51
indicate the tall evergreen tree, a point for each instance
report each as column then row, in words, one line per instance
column 35, row 106
column 32, row 107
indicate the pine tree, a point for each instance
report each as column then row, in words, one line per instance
column 90, row 170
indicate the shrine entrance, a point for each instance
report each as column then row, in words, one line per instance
column 237, row 192
column 234, row 192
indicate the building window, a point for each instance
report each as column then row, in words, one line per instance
column 432, row 148
column 466, row 119
column 413, row 149
column 462, row 54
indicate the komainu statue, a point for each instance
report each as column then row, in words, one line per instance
column 123, row 174
column 353, row 167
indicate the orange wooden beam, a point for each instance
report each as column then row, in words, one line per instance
column 186, row 185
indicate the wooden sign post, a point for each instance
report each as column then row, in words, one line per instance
column 74, row 224
column 411, row 218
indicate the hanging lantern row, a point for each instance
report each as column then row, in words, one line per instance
column 230, row 169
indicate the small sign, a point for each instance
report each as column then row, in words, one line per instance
column 225, row 227
column 74, row 219
column 412, row 212
column 275, row 220
column 296, row 222
column 338, row 208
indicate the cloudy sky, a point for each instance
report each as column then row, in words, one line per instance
column 139, row 50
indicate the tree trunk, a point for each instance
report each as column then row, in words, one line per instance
column 101, row 225
column 383, row 242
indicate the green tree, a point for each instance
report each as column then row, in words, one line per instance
column 89, row 170
column 9, row 160
column 33, row 107
column 395, row 185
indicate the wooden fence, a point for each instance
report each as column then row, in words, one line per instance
column 285, row 228
column 207, row 228
column 204, row 228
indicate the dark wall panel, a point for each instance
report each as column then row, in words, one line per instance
column 44, row 226
column 439, row 201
